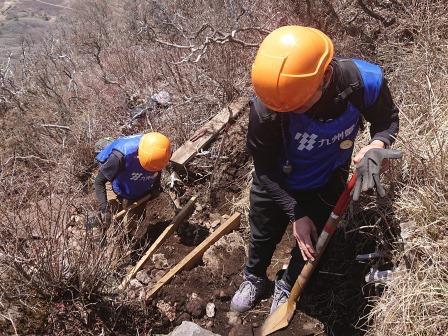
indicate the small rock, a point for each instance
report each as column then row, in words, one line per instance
column 143, row 277
column 167, row 310
column 209, row 324
column 195, row 306
column 234, row 318
column 190, row 329
column 255, row 325
column 142, row 294
column 135, row 284
column 132, row 294
column 215, row 223
column 160, row 261
column 162, row 98
column 210, row 310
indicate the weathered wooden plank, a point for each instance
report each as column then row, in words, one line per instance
column 207, row 132
column 180, row 217
column 194, row 256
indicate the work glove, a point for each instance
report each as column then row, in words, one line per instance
column 106, row 218
column 369, row 169
column 100, row 219
column 92, row 220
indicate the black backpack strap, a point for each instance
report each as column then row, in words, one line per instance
column 351, row 86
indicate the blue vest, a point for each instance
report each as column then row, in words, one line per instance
column 316, row 149
column 133, row 181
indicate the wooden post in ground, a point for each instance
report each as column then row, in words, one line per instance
column 180, row 217
column 194, row 256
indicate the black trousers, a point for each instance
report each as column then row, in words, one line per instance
column 268, row 222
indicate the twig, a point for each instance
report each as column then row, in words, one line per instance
column 56, row 126
column 362, row 227
column 54, row 5
column 28, row 158
column 12, row 322
column 217, row 37
column 368, row 11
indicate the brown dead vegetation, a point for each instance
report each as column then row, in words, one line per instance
column 80, row 83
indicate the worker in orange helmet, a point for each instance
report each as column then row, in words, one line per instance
column 303, row 123
column 133, row 165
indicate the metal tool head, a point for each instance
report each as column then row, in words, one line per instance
column 278, row 319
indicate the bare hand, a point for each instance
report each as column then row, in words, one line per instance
column 374, row 144
column 305, row 232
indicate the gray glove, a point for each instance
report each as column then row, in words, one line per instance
column 106, row 218
column 101, row 219
column 369, row 170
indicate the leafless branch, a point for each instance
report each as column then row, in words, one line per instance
column 56, row 126
column 370, row 12
column 217, row 37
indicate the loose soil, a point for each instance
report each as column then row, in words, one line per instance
column 333, row 302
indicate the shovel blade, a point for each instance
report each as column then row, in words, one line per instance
column 278, row 319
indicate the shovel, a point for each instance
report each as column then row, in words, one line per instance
column 283, row 315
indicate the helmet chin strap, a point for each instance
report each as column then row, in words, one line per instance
column 328, row 76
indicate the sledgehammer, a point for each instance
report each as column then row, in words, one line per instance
column 283, row 315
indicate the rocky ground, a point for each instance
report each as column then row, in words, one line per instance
column 333, row 302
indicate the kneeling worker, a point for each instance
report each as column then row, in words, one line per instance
column 133, row 165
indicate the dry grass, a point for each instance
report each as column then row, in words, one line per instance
column 108, row 55
column 416, row 301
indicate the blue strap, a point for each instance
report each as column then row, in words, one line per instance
column 372, row 80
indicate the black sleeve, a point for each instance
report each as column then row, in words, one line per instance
column 100, row 190
column 264, row 141
column 112, row 166
column 383, row 117
column 107, row 172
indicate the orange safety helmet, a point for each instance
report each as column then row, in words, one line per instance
column 154, row 151
column 290, row 66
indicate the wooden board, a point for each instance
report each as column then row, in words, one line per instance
column 180, row 217
column 208, row 131
column 196, row 255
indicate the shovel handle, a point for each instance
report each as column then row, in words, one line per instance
column 135, row 204
column 324, row 238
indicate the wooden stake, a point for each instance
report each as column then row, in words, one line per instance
column 207, row 132
column 194, row 256
column 180, row 217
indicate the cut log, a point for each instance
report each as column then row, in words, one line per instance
column 196, row 255
column 180, row 217
column 207, row 132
